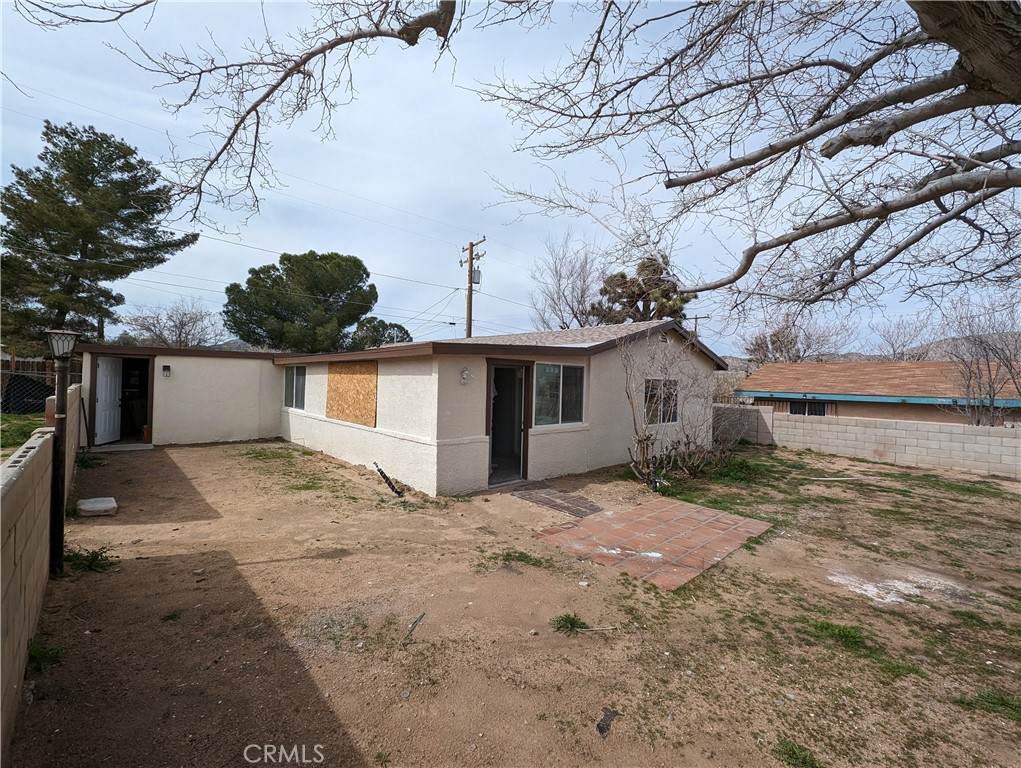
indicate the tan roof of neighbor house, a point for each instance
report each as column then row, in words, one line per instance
column 576, row 341
column 910, row 379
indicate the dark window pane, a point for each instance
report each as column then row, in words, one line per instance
column 816, row 409
column 547, row 394
column 669, row 401
column 299, row 386
column 573, row 382
column 652, row 401
column 289, row 386
column 798, row 407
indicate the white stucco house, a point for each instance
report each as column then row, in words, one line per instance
column 445, row 417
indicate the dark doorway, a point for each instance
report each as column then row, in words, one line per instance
column 507, row 424
column 134, row 399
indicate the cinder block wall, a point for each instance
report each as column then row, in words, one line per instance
column 25, row 525
column 986, row 450
column 750, row 422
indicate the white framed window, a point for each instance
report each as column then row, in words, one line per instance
column 559, row 391
column 661, row 397
column 294, row 386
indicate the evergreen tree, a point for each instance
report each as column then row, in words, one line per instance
column 645, row 295
column 306, row 303
column 91, row 213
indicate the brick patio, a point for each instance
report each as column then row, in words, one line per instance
column 663, row 541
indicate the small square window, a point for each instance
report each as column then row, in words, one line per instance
column 559, row 394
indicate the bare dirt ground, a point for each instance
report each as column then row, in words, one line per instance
column 259, row 594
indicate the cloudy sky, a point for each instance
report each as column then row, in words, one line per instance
column 408, row 180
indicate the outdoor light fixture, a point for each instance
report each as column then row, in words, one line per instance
column 166, row 371
column 61, row 347
column 62, row 343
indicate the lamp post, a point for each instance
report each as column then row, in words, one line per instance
column 61, row 347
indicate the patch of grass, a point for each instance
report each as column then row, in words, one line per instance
column 172, row 616
column 849, row 637
column 853, row 639
column 381, row 758
column 88, row 559
column 740, row 471
column 41, row 656
column 16, row 428
column 971, row 619
column 517, row 556
column 306, row 485
column 270, row 454
column 995, row 703
column 568, row 623
column 793, row 755
column 753, row 544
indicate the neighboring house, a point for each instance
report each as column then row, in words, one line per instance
column 445, row 417
column 910, row 391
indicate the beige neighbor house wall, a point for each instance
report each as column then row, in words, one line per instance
column 215, row 399
column 24, row 551
column 986, row 450
column 403, row 442
column 208, row 399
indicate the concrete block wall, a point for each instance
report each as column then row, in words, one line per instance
column 985, row 450
column 753, row 423
column 25, row 529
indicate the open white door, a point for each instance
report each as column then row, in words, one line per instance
column 108, row 400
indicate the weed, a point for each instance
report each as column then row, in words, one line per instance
column 382, row 758
column 88, row 559
column 568, row 623
column 517, row 556
column 753, row 544
column 740, row 471
column 794, row 755
column 996, row 703
column 172, row 616
column 86, row 459
column 41, row 656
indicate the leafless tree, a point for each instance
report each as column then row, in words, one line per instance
column 185, row 323
column 566, row 285
column 984, row 343
column 670, row 393
column 798, row 336
column 906, row 338
column 855, row 146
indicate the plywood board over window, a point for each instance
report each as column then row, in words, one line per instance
column 351, row 392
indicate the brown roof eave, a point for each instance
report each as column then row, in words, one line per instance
column 126, row 350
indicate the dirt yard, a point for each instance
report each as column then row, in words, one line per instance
column 258, row 596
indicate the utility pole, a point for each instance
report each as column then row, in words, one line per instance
column 470, row 261
column 696, row 319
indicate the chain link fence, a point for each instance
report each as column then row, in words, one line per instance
column 23, row 393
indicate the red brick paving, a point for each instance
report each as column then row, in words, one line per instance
column 665, row 542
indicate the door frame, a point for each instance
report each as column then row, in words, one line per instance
column 526, row 405
column 93, row 374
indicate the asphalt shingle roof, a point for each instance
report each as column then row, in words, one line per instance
column 909, row 379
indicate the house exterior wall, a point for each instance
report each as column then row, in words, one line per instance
column 208, row 399
column 403, row 442
column 896, row 411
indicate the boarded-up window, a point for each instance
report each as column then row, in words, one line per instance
column 351, row 393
